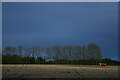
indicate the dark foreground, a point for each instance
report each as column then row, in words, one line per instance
column 59, row 71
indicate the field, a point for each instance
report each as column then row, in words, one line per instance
column 59, row 71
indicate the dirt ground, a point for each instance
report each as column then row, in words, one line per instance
column 59, row 71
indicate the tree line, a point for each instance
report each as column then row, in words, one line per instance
column 86, row 55
column 58, row 52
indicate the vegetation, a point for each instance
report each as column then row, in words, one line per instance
column 16, row 59
column 86, row 55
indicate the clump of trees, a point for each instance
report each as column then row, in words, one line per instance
column 90, row 54
column 92, row 51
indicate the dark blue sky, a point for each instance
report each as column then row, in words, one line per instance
column 48, row 24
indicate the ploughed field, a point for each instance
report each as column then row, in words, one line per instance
column 58, row 71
